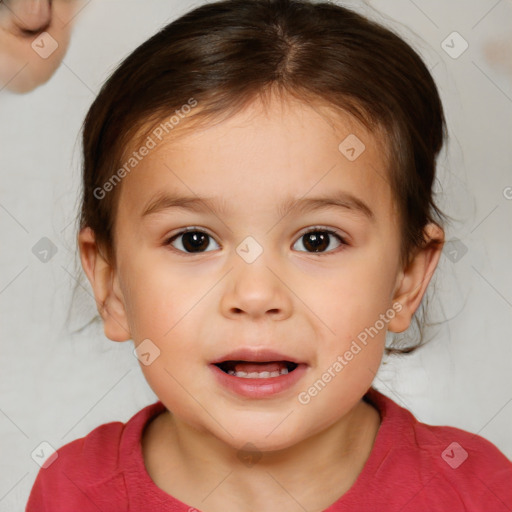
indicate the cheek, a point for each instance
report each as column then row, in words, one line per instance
column 148, row 296
column 356, row 307
column 352, row 297
column 164, row 306
column 162, row 300
column 355, row 304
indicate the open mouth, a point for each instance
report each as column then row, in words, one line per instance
column 257, row 370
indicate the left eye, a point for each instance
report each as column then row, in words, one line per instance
column 318, row 240
column 193, row 241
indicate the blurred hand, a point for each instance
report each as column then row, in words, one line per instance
column 34, row 37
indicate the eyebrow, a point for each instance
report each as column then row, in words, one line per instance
column 341, row 200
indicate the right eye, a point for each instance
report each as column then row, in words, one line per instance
column 190, row 240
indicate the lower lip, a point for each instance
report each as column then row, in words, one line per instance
column 259, row 388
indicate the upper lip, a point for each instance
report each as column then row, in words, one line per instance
column 257, row 355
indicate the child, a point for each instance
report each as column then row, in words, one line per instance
column 257, row 214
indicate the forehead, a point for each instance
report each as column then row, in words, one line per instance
column 262, row 156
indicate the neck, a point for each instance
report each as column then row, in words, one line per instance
column 202, row 471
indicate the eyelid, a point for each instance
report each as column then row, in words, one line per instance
column 334, row 231
column 190, row 228
column 301, row 233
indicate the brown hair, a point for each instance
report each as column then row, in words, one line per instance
column 227, row 53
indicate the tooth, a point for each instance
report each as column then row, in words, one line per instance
column 258, row 375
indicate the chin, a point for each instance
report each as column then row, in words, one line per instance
column 260, row 436
column 259, row 443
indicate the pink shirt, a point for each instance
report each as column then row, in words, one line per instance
column 413, row 467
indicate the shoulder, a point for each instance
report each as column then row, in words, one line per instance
column 448, row 464
column 83, row 471
column 464, row 465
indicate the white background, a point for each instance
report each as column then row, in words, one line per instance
column 58, row 385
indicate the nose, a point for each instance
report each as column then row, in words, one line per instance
column 31, row 15
column 256, row 290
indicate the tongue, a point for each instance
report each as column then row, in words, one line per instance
column 274, row 366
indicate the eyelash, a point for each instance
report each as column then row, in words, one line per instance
column 315, row 229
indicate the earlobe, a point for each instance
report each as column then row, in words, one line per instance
column 102, row 276
column 414, row 279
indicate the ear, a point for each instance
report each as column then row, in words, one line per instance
column 105, row 285
column 413, row 280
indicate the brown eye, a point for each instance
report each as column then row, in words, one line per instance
column 192, row 241
column 319, row 240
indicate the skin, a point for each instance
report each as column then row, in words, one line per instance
column 22, row 22
column 198, row 307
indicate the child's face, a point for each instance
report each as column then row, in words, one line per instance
column 308, row 306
